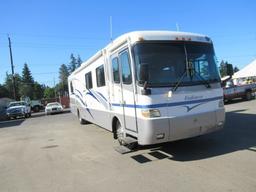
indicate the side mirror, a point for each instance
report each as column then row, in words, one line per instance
column 146, row 92
column 143, row 73
column 144, row 76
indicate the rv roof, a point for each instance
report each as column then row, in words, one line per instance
column 136, row 36
column 161, row 35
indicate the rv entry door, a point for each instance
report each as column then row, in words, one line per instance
column 128, row 98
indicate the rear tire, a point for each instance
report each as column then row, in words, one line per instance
column 81, row 120
column 36, row 109
column 248, row 96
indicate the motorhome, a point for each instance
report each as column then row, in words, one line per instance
column 151, row 86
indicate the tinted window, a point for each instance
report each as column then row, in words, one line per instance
column 71, row 88
column 100, row 76
column 115, row 69
column 88, row 80
column 163, row 64
column 126, row 70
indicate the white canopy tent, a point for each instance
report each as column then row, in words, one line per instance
column 247, row 71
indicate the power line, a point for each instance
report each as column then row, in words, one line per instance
column 59, row 36
column 45, row 73
column 54, row 47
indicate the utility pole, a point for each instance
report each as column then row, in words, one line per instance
column 54, row 89
column 13, row 78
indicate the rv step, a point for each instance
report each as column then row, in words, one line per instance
column 129, row 140
column 122, row 149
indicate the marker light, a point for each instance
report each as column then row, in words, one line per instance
column 183, row 39
column 141, row 39
column 151, row 113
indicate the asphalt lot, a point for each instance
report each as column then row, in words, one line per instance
column 56, row 153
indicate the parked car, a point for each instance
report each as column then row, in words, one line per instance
column 54, row 107
column 18, row 109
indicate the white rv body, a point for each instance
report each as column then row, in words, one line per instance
column 165, row 113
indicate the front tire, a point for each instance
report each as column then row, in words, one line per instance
column 120, row 133
column 248, row 96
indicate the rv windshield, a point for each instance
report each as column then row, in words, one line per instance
column 164, row 63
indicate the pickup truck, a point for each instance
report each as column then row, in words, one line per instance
column 36, row 105
column 18, row 109
column 231, row 91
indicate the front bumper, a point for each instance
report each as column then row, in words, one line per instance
column 13, row 115
column 54, row 111
column 159, row 130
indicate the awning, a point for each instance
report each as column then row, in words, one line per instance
column 247, row 71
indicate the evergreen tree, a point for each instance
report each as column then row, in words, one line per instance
column 62, row 87
column 79, row 61
column 38, row 91
column 3, row 91
column 26, row 74
column 226, row 69
column 8, row 84
column 72, row 64
column 26, row 89
column 223, row 68
column 236, row 69
column 49, row 93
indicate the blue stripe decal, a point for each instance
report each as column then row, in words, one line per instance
column 80, row 99
column 87, row 109
column 102, row 96
column 167, row 104
column 91, row 94
column 79, row 92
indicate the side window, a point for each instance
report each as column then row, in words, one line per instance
column 126, row 70
column 115, row 69
column 100, row 76
column 71, row 87
column 88, row 80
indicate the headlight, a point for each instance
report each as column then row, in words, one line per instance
column 150, row 113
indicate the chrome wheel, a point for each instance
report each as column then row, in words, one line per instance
column 120, row 133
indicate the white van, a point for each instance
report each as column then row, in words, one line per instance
column 152, row 86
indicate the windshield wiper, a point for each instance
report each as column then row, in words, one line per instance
column 206, row 83
column 179, row 81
